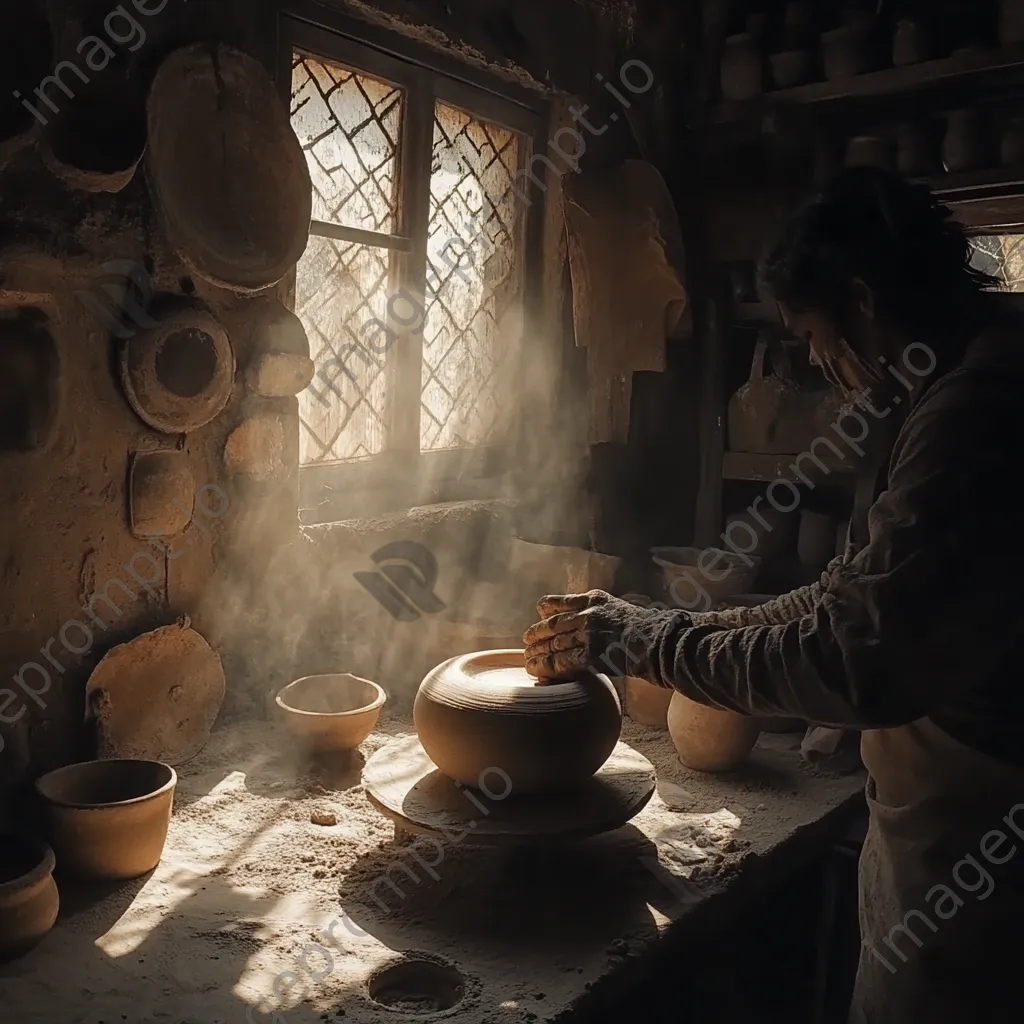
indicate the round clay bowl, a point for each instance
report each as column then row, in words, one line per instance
column 333, row 712
column 108, row 819
column 707, row 739
column 483, row 714
column 28, row 895
column 646, row 703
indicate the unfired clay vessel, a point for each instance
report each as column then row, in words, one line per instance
column 331, row 712
column 707, row 739
column 646, row 703
column 482, row 714
column 108, row 820
column 28, row 895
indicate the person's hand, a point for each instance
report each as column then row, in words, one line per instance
column 592, row 632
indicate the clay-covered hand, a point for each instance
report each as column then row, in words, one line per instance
column 592, row 632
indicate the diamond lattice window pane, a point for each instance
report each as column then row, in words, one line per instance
column 341, row 295
column 1002, row 256
column 349, row 126
column 473, row 315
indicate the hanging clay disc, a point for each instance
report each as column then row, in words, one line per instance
column 161, row 493
column 230, row 177
column 256, row 448
column 157, row 696
column 178, row 375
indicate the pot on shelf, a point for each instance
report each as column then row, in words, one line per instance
column 28, row 894
column 846, row 52
column 966, row 145
column 647, row 704
column 742, row 68
column 791, row 68
column 915, row 157
column 483, row 714
column 911, row 43
column 709, row 739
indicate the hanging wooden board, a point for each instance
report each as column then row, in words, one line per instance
column 229, row 174
column 157, row 696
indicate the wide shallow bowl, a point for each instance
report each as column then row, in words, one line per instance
column 484, row 721
column 708, row 739
column 108, row 820
column 333, row 712
column 28, row 895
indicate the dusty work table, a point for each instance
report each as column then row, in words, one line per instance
column 262, row 906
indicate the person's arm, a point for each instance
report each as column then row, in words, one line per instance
column 777, row 612
column 894, row 628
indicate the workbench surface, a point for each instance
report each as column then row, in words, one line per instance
column 257, row 912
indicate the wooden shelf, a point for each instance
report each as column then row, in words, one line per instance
column 990, row 67
column 766, row 468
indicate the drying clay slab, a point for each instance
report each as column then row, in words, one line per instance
column 157, row 696
column 404, row 785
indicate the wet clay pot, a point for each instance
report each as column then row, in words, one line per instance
column 481, row 716
column 646, row 703
column 28, row 895
column 108, row 820
column 331, row 712
column 707, row 739
column 742, row 68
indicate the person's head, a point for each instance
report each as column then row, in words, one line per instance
column 868, row 266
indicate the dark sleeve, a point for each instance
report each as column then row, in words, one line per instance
column 895, row 627
column 784, row 608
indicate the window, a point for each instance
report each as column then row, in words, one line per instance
column 1003, row 256
column 413, row 286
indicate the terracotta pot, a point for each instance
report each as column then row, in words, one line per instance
column 331, row 713
column 914, row 151
column 1011, row 22
column 965, row 147
column 707, row 739
column 845, row 52
column 791, row 68
column 869, row 151
column 742, row 68
column 28, row 895
column 482, row 716
column 1011, row 149
column 108, row 820
column 911, row 43
column 646, row 703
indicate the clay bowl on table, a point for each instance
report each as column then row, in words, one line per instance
column 108, row 820
column 481, row 716
column 28, row 895
column 331, row 713
column 708, row 739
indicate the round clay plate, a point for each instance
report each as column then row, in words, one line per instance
column 156, row 697
column 229, row 174
column 405, row 785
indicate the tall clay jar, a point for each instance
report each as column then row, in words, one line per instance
column 742, row 68
column 708, row 739
column 965, row 147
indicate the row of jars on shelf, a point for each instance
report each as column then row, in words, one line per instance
column 851, row 49
column 968, row 140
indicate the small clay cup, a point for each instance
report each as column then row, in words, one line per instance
column 331, row 713
column 482, row 714
column 708, row 739
column 28, row 895
column 108, row 820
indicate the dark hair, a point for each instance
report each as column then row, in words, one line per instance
column 892, row 234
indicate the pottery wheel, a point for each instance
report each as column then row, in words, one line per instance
column 403, row 784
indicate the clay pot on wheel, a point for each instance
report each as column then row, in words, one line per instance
column 708, row 739
column 646, row 703
column 28, row 895
column 483, row 720
column 742, row 68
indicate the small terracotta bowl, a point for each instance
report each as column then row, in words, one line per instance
column 28, row 895
column 108, row 819
column 331, row 713
column 483, row 713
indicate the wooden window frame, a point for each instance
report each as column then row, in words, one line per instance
column 401, row 476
